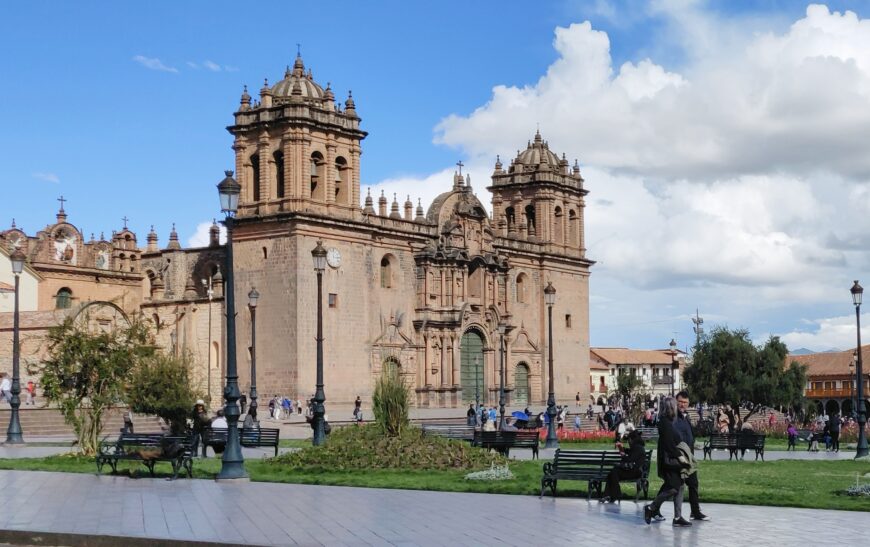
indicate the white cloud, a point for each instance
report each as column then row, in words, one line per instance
column 200, row 237
column 828, row 333
column 741, row 179
column 47, row 177
column 154, row 63
column 211, row 65
column 192, row 65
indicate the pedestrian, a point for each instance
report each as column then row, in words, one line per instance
column 577, row 398
column 684, row 428
column 792, row 436
column 5, row 388
column 357, row 406
column 285, row 405
column 669, row 466
column 630, row 467
column 272, row 408
column 243, row 402
column 128, row 422
column 577, row 422
column 834, row 428
column 470, row 418
column 200, row 422
column 30, row 389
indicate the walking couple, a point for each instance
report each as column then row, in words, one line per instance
column 676, row 463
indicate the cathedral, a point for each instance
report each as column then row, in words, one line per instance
column 436, row 293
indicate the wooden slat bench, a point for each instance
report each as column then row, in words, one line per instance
column 249, row 438
column 503, row 441
column 450, row 431
column 148, row 449
column 591, row 466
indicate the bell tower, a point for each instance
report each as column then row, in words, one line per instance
column 540, row 199
column 297, row 149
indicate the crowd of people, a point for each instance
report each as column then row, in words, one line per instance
column 29, row 390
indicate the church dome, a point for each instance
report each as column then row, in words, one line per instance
column 297, row 82
column 538, row 153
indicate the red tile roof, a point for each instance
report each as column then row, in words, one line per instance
column 831, row 363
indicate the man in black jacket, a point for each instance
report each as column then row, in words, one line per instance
column 684, row 428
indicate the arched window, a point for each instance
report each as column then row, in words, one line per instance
column 392, row 366
column 476, row 276
column 531, row 226
column 63, row 299
column 511, row 218
column 522, row 282
column 279, row 174
column 341, row 179
column 133, row 264
column 255, row 177
column 317, row 171
column 558, row 221
column 386, row 273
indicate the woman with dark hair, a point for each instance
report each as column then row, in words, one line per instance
column 669, row 465
column 631, row 466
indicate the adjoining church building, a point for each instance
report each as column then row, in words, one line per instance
column 422, row 291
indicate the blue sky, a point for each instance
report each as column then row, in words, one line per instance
column 121, row 107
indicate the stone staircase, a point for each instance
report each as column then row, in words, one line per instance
column 48, row 422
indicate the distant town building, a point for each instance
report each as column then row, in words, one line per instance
column 831, row 381
column 655, row 367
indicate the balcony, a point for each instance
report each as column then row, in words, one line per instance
column 830, row 393
column 662, row 380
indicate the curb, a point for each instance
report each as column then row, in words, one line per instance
column 63, row 539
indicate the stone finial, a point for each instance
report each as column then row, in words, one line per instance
column 245, row 101
column 576, row 167
column 328, row 97
column 214, row 234
column 538, row 139
column 369, row 207
column 266, row 94
column 382, row 205
column 190, row 289
column 409, row 209
column 13, row 224
column 498, row 165
column 420, row 216
column 394, row 209
column 350, row 106
column 173, row 239
column 61, row 214
column 152, row 241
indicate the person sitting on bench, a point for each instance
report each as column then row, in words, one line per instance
column 631, row 466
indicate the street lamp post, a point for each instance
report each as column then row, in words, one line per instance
column 851, row 382
column 319, row 256
column 232, row 462
column 477, row 419
column 552, row 439
column 13, row 434
column 502, row 330
column 857, row 293
column 674, row 365
column 253, row 297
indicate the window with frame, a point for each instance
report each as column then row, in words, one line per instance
column 332, row 299
column 63, row 299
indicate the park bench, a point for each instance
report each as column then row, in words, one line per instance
column 720, row 441
column 591, row 466
column 248, row 437
column 503, row 441
column 649, row 433
column 751, row 441
column 450, row 431
column 148, row 449
column 807, row 436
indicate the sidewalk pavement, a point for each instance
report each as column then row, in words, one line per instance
column 287, row 514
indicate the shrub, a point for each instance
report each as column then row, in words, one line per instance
column 390, row 402
column 367, row 447
column 502, row 473
column 161, row 385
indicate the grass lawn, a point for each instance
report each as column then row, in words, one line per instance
column 791, row 483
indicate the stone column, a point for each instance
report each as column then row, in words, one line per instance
column 329, row 172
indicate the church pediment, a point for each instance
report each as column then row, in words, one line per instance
column 523, row 343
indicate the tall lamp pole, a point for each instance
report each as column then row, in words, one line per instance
column 552, row 439
column 674, row 366
column 319, row 256
column 477, row 390
column 502, row 330
column 253, row 297
column 857, row 293
column 13, row 434
column 209, row 290
column 851, row 382
column 232, row 463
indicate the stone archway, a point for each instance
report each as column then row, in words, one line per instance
column 832, row 407
column 471, row 367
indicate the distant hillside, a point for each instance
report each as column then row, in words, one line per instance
column 805, row 351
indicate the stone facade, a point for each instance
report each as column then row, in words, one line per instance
column 424, row 291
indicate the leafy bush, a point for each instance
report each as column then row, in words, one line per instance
column 390, row 402
column 367, row 447
column 161, row 385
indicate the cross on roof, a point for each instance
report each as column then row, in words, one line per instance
column 125, row 219
column 460, row 164
column 61, row 200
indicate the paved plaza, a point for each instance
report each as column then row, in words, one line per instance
column 287, row 514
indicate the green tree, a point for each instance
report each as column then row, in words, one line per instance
column 86, row 371
column 632, row 392
column 161, row 385
column 728, row 367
